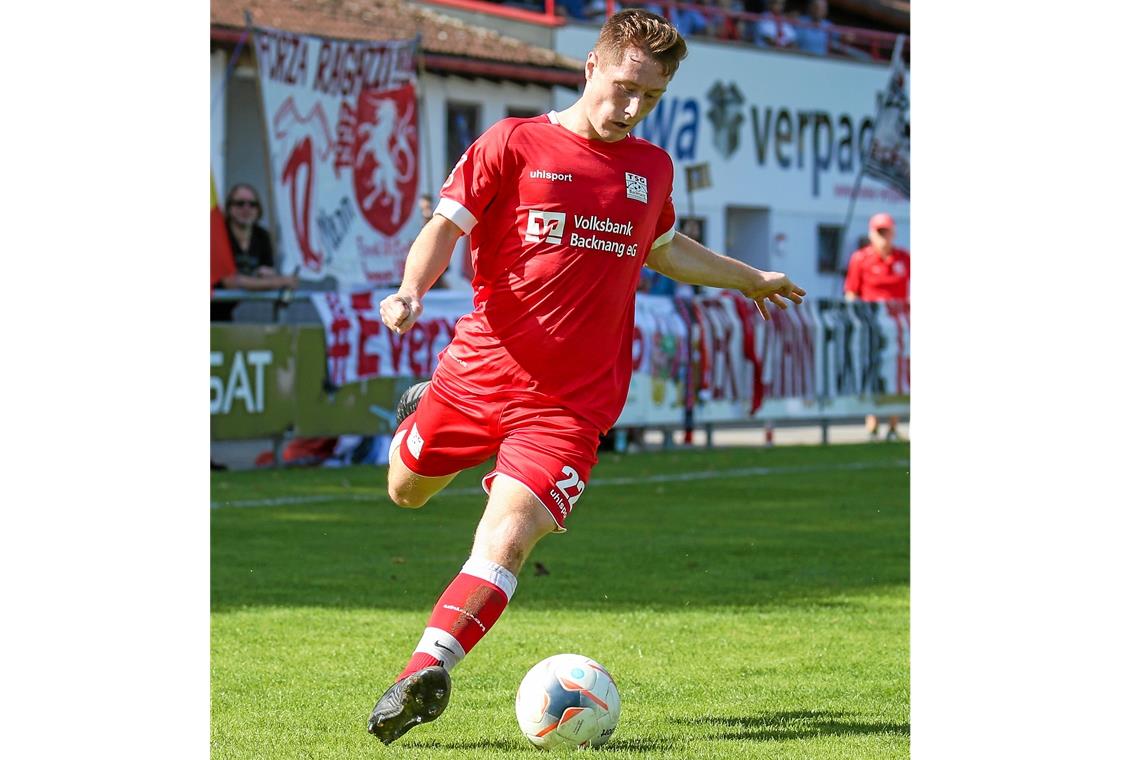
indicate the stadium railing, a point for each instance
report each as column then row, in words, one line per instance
column 853, row 42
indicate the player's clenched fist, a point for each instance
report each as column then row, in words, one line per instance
column 399, row 312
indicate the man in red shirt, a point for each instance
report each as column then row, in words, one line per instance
column 879, row 272
column 562, row 210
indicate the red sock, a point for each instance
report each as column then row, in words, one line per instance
column 463, row 615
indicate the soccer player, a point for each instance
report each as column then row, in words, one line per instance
column 563, row 210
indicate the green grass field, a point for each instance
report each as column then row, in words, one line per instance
column 758, row 614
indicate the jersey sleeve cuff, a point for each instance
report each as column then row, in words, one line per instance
column 666, row 237
column 455, row 211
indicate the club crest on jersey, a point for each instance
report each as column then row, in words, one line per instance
column 636, row 187
column 545, row 226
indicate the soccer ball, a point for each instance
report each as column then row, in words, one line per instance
column 567, row 701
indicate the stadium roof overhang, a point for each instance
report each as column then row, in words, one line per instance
column 438, row 63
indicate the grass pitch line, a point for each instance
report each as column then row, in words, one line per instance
column 673, row 477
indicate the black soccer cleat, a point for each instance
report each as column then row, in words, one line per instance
column 410, row 400
column 418, row 698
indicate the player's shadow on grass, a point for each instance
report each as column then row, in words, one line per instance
column 501, row 745
column 795, row 724
column 641, row 744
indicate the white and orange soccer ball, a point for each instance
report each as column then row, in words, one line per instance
column 567, row 701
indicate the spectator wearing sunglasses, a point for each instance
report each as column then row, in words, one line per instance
column 252, row 249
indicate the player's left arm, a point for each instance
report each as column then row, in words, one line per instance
column 684, row 259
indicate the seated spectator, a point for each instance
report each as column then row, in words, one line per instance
column 575, row 9
column 596, row 9
column 774, row 28
column 535, row 6
column 747, row 26
column 726, row 26
column 427, row 207
column 655, row 283
column 252, row 249
column 689, row 21
column 813, row 34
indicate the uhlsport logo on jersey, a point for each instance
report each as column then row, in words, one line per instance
column 545, row 226
column 636, row 187
column 552, row 176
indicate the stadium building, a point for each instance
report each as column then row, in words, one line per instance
column 769, row 140
column 769, row 147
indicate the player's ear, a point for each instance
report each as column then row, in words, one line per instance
column 591, row 64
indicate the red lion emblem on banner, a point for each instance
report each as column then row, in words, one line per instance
column 385, row 167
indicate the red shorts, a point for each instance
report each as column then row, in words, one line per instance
column 546, row 448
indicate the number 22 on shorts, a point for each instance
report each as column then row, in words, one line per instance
column 572, row 481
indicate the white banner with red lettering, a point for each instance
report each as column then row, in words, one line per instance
column 359, row 347
column 344, row 154
column 822, row 359
column 656, row 388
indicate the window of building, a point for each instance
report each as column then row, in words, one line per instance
column 462, row 129
column 693, row 226
column 829, row 239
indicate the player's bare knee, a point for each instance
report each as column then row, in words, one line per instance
column 404, row 497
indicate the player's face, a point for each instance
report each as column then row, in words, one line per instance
column 619, row 94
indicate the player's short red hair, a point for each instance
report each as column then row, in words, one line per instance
column 645, row 31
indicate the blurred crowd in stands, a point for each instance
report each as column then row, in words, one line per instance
column 793, row 25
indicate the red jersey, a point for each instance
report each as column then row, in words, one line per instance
column 872, row 278
column 560, row 227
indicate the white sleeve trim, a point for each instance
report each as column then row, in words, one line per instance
column 666, row 237
column 456, row 212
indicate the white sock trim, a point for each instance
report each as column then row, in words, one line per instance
column 492, row 572
column 442, row 646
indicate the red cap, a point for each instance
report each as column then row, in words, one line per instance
column 879, row 221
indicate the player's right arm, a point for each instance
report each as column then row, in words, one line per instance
column 427, row 260
column 470, row 187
